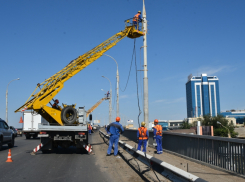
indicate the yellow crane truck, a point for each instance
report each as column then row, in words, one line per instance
column 67, row 125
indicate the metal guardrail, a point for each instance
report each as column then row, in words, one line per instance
column 226, row 153
column 171, row 172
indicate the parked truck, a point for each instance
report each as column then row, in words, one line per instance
column 67, row 126
column 30, row 125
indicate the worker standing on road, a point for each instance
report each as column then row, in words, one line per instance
column 142, row 135
column 137, row 18
column 114, row 129
column 89, row 129
column 157, row 134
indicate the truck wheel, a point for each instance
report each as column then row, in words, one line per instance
column 45, row 151
column 69, row 115
column 11, row 145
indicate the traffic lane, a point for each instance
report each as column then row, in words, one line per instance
column 63, row 165
column 20, row 144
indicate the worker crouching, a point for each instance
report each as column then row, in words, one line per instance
column 114, row 129
column 157, row 132
column 142, row 135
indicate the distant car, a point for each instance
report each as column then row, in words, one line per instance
column 19, row 132
column 14, row 130
column 6, row 134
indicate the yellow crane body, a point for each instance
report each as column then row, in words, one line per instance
column 48, row 89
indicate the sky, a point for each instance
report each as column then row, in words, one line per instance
column 39, row 38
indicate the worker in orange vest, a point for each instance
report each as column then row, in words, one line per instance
column 157, row 134
column 142, row 135
column 137, row 18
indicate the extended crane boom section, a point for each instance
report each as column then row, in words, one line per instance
column 51, row 86
column 95, row 106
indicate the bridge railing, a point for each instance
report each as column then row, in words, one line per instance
column 227, row 153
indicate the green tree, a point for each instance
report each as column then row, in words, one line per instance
column 185, row 125
column 219, row 130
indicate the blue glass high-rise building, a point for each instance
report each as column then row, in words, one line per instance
column 202, row 96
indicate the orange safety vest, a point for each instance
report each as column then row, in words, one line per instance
column 159, row 130
column 136, row 17
column 142, row 133
column 89, row 127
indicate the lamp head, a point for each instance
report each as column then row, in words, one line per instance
column 218, row 122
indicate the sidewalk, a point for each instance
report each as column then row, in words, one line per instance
column 202, row 171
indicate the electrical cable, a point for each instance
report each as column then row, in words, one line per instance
column 129, row 69
column 137, row 85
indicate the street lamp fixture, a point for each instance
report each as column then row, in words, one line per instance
column 7, row 99
column 229, row 134
column 110, row 108
column 117, row 84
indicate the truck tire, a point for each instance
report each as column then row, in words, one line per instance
column 69, row 115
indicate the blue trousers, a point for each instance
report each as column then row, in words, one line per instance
column 113, row 140
column 89, row 131
column 159, row 144
column 144, row 142
column 135, row 24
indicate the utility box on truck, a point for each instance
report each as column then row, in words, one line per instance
column 30, row 125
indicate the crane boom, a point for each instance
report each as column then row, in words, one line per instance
column 95, row 106
column 51, row 86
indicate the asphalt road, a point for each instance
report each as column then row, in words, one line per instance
column 64, row 165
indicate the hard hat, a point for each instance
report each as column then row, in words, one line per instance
column 156, row 121
column 139, row 11
column 117, row 119
column 143, row 123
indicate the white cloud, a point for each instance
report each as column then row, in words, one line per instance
column 123, row 96
column 157, row 101
column 181, row 99
column 211, row 71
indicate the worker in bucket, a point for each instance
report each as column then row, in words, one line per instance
column 157, row 135
column 89, row 128
column 137, row 18
column 114, row 129
column 142, row 135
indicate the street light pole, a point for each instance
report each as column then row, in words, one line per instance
column 117, row 84
column 110, row 108
column 229, row 134
column 146, row 111
column 7, row 99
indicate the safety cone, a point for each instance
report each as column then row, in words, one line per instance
column 9, row 159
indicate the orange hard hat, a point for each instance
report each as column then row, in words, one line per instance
column 117, row 119
column 156, row 121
